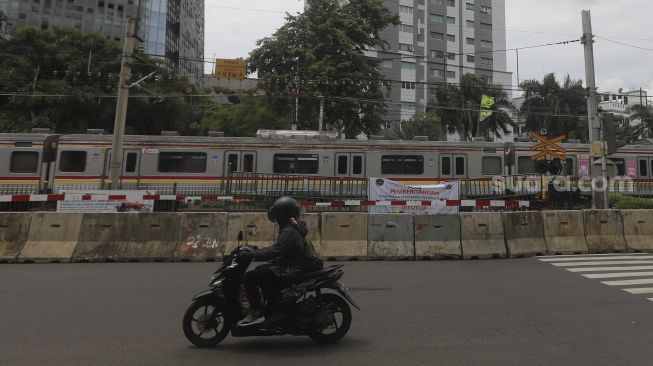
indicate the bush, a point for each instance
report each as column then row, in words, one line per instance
column 621, row 202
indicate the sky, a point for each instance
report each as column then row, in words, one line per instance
column 233, row 27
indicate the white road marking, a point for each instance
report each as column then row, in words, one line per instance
column 637, row 291
column 589, row 255
column 641, row 281
column 609, row 269
column 617, row 275
column 640, row 257
column 574, row 264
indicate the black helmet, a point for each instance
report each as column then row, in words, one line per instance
column 283, row 209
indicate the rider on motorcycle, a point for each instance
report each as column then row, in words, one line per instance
column 289, row 257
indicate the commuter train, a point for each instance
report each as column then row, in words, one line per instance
column 33, row 162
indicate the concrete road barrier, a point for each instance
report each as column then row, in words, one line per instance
column 481, row 235
column 155, row 237
column 524, row 234
column 564, row 232
column 437, row 237
column 14, row 228
column 104, row 236
column 257, row 230
column 52, row 237
column 604, row 231
column 202, row 237
column 638, row 230
column 390, row 236
column 344, row 235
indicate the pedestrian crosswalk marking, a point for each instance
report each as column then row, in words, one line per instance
column 632, row 273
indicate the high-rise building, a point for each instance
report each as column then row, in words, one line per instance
column 171, row 29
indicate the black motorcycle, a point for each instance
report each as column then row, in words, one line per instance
column 300, row 309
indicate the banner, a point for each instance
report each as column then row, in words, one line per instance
column 486, row 105
column 230, row 69
column 101, row 203
column 382, row 189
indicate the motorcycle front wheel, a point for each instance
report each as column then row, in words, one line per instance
column 205, row 323
column 339, row 309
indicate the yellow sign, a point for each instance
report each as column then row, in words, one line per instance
column 230, row 69
column 545, row 144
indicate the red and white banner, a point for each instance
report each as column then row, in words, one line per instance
column 382, row 189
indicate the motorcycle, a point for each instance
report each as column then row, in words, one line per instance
column 301, row 309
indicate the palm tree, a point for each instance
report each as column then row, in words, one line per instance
column 557, row 108
column 644, row 113
column 458, row 108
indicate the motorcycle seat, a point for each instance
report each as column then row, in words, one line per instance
column 316, row 274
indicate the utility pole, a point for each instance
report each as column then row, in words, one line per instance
column 294, row 125
column 321, row 114
column 115, row 166
column 593, row 122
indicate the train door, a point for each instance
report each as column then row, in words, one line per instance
column 131, row 166
column 350, row 165
column 240, row 161
column 453, row 166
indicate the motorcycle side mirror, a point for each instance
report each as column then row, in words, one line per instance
column 240, row 238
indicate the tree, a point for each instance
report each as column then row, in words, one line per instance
column 428, row 124
column 245, row 118
column 46, row 73
column 554, row 107
column 324, row 47
column 458, row 107
column 643, row 113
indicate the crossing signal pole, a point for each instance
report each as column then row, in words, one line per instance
column 124, row 83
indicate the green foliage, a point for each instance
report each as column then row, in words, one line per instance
column 45, row 73
column 644, row 113
column 621, row 202
column 428, row 124
column 245, row 118
column 558, row 108
column 324, row 45
column 458, row 108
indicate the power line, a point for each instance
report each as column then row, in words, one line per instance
column 624, row 44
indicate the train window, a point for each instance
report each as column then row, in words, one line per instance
column 569, row 167
column 643, row 168
column 342, row 164
column 525, row 165
column 24, row 162
column 182, row 162
column 295, row 164
column 357, row 165
column 491, row 165
column 248, row 163
column 72, row 161
column 460, row 165
column 445, row 166
column 402, row 164
column 232, row 161
column 130, row 164
column 620, row 164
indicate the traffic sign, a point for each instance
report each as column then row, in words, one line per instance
column 548, row 147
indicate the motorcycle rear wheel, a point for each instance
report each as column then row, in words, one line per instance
column 341, row 311
column 205, row 318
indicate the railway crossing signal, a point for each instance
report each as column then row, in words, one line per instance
column 548, row 147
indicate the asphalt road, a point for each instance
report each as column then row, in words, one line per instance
column 501, row 312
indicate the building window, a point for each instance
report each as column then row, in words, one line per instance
column 470, row 6
column 182, row 162
column 24, row 162
column 451, row 56
column 437, row 36
column 437, row 2
column 72, row 161
column 402, row 164
column 486, row 26
column 451, row 2
column 407, row 66
column 470, row 59
column 451, row 74
column 487, row 61
column 408, row 85
column 437, row 73
column 486, row 44
column 469, row 41
column 451, row 38
column 405, row 47
column 387, row 62
column 451, row 20
column 437, row 54
column 486, row 10
column 406, row 28
column 295, row 163
column 469, row 23
column 406, row 9
column 491, row 165
column 435, row 18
